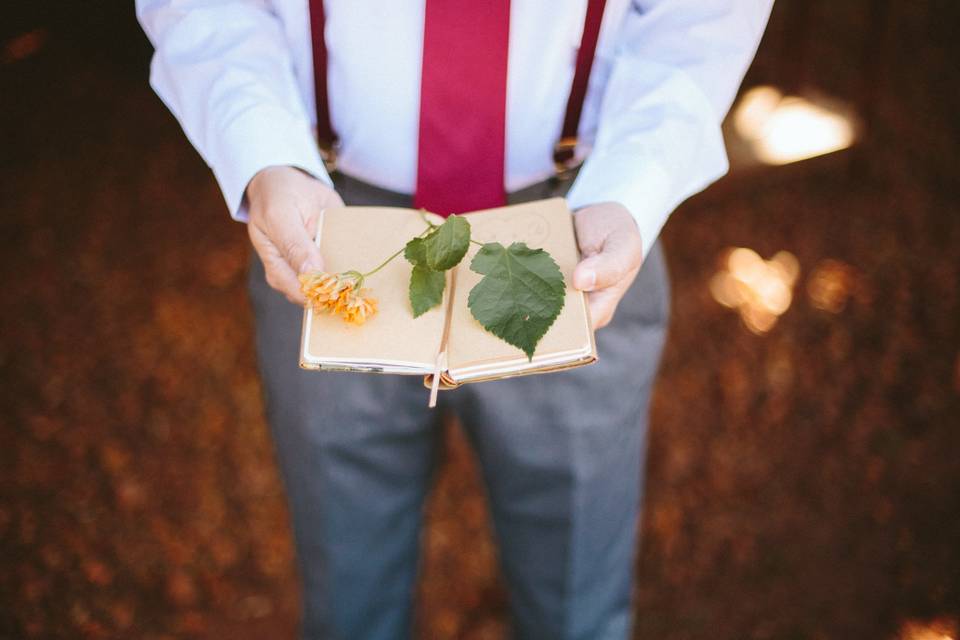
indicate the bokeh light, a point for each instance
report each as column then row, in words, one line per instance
column 760, row 290
column 23, row 46
column 941, row 629
column 783, row 129
column 830, row 285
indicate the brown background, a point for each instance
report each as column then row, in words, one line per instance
column 802, row 484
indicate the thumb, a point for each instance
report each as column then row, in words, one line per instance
column 601, row 270
column 297, row 247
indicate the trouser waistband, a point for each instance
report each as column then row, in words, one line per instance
column 360, row 193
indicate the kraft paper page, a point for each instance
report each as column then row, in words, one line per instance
column 360, row 238
column 545, row 224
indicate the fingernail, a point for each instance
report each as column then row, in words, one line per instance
column 309, row 265
column 588, row 280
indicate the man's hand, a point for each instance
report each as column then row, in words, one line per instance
column 612, row 254
column 285, row 204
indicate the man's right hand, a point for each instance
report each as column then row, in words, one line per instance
column 285, row 204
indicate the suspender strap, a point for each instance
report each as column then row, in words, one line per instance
column 326, row 138
column 563, row 153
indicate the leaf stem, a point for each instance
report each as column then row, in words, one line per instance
column 423, row 216
column 477, row 242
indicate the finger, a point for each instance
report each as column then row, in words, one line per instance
column 619, row 255
column 295, row 244
column 329, row 200
column 590, row 235
column 279, row 275
column 603, row 304
column 333, row 199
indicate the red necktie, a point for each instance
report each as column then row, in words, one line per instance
column 463, row 96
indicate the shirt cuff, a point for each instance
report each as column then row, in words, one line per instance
column 261, row 137
column 648, row 190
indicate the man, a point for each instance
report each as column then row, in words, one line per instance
column 425, row 94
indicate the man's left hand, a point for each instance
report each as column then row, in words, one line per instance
column 612, row 254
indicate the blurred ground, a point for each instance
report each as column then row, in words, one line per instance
column 802, row 484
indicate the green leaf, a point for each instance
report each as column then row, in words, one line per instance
column 447, row 244
column 520, row 295
column 415, row 252
column 426, row 289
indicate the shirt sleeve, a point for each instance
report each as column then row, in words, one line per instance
column 224, row 69
column 675, row 72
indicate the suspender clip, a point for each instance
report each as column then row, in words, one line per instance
column 328, row 153
column 565, row 161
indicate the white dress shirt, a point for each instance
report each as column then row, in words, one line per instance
column 238, row 75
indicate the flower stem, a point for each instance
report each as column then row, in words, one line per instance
column 357, row 277
column 382, row 264
column 398, row 252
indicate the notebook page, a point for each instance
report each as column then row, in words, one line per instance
column 546, row 224
column 360, row 238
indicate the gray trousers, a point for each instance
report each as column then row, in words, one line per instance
column 561, row 456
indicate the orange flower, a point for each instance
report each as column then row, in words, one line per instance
column 338, row 294
column 359, row 307
column 343, row 298
column 322, row 289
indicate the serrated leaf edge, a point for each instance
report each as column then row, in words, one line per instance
column 559, row 292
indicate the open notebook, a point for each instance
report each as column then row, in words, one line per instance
column 447, row 340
